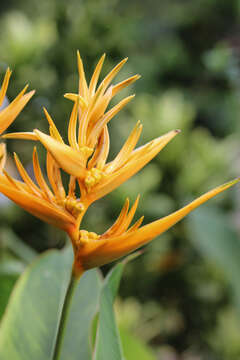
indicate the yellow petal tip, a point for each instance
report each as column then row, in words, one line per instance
column 75, row 98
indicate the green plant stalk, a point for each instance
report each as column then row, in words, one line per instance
column 64, row 316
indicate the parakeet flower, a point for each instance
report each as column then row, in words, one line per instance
column 85, row 160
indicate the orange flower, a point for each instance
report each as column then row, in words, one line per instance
column 8, row 115
column 92, row 250
column 85, row 160
column 48, row 205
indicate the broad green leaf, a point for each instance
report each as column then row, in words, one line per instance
column 212, row 233
column 77, row 342
column 10, row 269
column 133, row 348
column 29, row 326
column 108, row 344
column 6, row 284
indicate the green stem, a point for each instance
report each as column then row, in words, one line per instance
column 64, row 316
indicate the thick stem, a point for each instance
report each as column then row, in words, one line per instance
column 64, row 316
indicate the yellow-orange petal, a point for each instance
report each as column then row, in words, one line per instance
column 52, row 127
column 118, row 87
column 21, row 136
column 111, row 181
column 8, row 115
column 54, row 177
column 39, row 177
column 95, row 132
column 76, row 98
column 95, row 76
column 12, row 182
column 32, row 187
column 98, row 253
column 3, row 156
column 118, row 223
column 39, row 207
column 83, row 88
column 126, row 150
column 100, row 155
column 126, row 221
column 136, row 225
column 110, row 76
column 100, row 106
column 5, row 85
column 68, row 159
column 72, row 127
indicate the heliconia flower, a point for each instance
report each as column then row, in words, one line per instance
column 92, row 250
column 9, row 113
column 86, row 155
column 49, row 205
column 85, row 161
column 98, row 178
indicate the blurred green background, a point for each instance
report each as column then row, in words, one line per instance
column 181, row 298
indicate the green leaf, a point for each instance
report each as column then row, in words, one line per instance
column 214, row 236
column 108, row 344
column 77, row 342
column 6, row 284
column 29, row 326
column 10, row 269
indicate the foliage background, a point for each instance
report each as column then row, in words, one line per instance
column 181, row 297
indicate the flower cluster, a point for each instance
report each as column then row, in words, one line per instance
column 84, row 159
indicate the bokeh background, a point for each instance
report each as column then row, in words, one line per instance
column 180, row 300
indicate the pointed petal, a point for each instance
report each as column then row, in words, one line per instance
column 26, row 178
column 122, row 216
column 21, row 135
column 131, row 213
column 76, row 98
column 110, row 76
column 105, row 119
column 5, row 85
column 54, row 177
column 72, row 127
column 100, row 155
column 52, row 127
column 114, row 180
column 126, row 220
column 89, row 117
column 118, row 87
column 68, row 159
column 135, row 226
column 39, row 177
column 3, row 156
column 95, row 77
column 39, row 207
column 127, row 148
column 11, row 181
column 100, row 106
column 8, row 115
column 83, row 88
column 119, row 246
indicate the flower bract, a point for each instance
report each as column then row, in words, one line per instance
column 85, row 159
